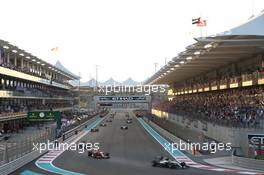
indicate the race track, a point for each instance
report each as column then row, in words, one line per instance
column 131, row 153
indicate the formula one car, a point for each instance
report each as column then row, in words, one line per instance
column 103, row 124
column 124, row 127
column 81, row 144
column 97, row 154
column 94, row 130
column 139, row 116
column 129, row 121
column 168, row 163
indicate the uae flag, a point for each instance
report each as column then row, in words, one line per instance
column 196, row 20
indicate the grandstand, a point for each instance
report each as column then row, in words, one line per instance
column 28, row 83
column 218, row 81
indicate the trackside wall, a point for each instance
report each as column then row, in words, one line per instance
column 196, row 130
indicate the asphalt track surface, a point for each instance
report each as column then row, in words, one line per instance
column 131, row 153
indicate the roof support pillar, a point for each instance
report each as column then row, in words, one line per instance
column 22, row 63
column 8, row 58
column 15, row 60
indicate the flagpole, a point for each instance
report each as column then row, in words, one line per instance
column 206, row 30
column 96, row 75
column 201, row 30
column 200, row 23
column 79, row 85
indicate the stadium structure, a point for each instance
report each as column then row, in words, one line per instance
column 28, row 83
column 212, row 95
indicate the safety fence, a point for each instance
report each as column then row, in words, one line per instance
column 12, row 149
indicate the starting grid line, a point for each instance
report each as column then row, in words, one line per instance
column 179, row 156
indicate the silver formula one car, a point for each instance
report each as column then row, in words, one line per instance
column 164, row 162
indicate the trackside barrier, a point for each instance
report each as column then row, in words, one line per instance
column 12, row 150
column 168, row 135
column 17, row 163
column 248, row 163
column 12, row 166
column 203, row 131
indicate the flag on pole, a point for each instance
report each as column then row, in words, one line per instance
column 55, row 49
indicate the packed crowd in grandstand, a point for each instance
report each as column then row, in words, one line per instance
column 237, row 107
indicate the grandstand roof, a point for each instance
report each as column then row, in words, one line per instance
column 254, row 26
column 212, row 52
column 64, row 69
column 22, row 53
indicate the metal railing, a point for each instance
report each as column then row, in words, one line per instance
column 11, row 150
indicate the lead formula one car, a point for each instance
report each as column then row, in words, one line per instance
column 124, row 127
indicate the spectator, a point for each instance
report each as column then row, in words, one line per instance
column 237, row 107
